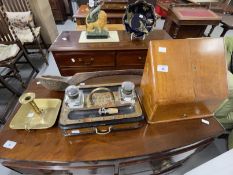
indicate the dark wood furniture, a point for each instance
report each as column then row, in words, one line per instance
column 37, row 42
column 162, row 6
column 152, row 149
column 225, row 10
column 68, row 7
column 114, row 17
column 58, row 10
column 72, row 57
column 118, row 6
column 9, row 63
column 189, row 22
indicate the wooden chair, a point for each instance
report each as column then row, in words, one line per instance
column 34, row 40
column 225, row 10
column 11, row 51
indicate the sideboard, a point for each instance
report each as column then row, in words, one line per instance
column 72, row 57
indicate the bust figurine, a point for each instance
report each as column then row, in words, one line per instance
column 96, row 21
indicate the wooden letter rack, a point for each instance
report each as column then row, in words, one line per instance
column 184, row 79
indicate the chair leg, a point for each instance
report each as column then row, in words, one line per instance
column 211, row 30
column 28, row 60
column 224, row 31
column 43, row 42
column 42, row 53
column 2, row 121
column 9, row 87
column 17, row 75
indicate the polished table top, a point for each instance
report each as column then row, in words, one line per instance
column 71, row 43
column 190, row 13
column 49, row 145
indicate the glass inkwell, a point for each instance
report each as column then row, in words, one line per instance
column 127, row 92
column 74, row 97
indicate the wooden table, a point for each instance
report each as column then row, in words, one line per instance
column 189, row 22
column 152, row 148
column 113, row 17
column 72, row 57
column 162, row 6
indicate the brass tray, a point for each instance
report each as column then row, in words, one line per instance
column 27, row 119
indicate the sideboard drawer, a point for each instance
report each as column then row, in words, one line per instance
column 85, row 59
column 131, row 58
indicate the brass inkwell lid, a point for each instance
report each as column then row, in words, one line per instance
column 35, row 113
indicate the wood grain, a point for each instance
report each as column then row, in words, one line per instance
column 125, row 54
column 179, row 26
column 194, row 84
column 44, row 151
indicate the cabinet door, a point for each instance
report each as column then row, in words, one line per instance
column 53, row 4
column 58, row 9
column 131, row 59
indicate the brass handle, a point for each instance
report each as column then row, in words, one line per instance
column 103, row 131
column 140, row 58
column 86, row 61
column 100, row 89
column 72, row 60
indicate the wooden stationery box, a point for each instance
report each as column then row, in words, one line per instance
column 183, row 79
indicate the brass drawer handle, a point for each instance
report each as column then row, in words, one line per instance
column 86, row 61
column 103, row 131
column 72, row 60
column 139, row 58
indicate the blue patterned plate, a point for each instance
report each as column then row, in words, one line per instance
column 139, row 18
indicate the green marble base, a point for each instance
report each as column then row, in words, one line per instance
column 103, row 34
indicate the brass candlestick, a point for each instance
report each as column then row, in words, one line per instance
column 29, row 98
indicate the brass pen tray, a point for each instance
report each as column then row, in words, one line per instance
column 89, row 114
column 26, row 117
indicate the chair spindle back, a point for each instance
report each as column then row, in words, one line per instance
column 16, row 5
column 7, row 33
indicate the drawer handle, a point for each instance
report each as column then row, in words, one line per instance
column 140, row 58
column 103, row 131
column 72, row 60
column 86, row 61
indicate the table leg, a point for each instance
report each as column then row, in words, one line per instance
column 225, row 29
column 177, row 28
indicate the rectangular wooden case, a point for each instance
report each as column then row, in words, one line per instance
column 183, row 79
column 86, row 118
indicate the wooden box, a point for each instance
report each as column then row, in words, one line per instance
column 183, row 79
